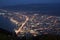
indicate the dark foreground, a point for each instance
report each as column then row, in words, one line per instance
column 4, row 35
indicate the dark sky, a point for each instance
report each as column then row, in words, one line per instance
column 15, row 2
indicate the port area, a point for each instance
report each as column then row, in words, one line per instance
column 33, row 24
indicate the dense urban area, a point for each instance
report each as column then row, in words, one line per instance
column 33, row 23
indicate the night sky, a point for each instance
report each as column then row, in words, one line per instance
column 16, row 2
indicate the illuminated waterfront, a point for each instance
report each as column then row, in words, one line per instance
column 35, row 24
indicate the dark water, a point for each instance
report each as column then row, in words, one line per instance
column 6, row 24
column 51, row 9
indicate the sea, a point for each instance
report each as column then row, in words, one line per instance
column 51, row 9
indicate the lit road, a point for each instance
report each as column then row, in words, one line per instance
column 20, row 28
column 14, row 21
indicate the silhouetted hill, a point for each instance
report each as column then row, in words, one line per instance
column 4, row 35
